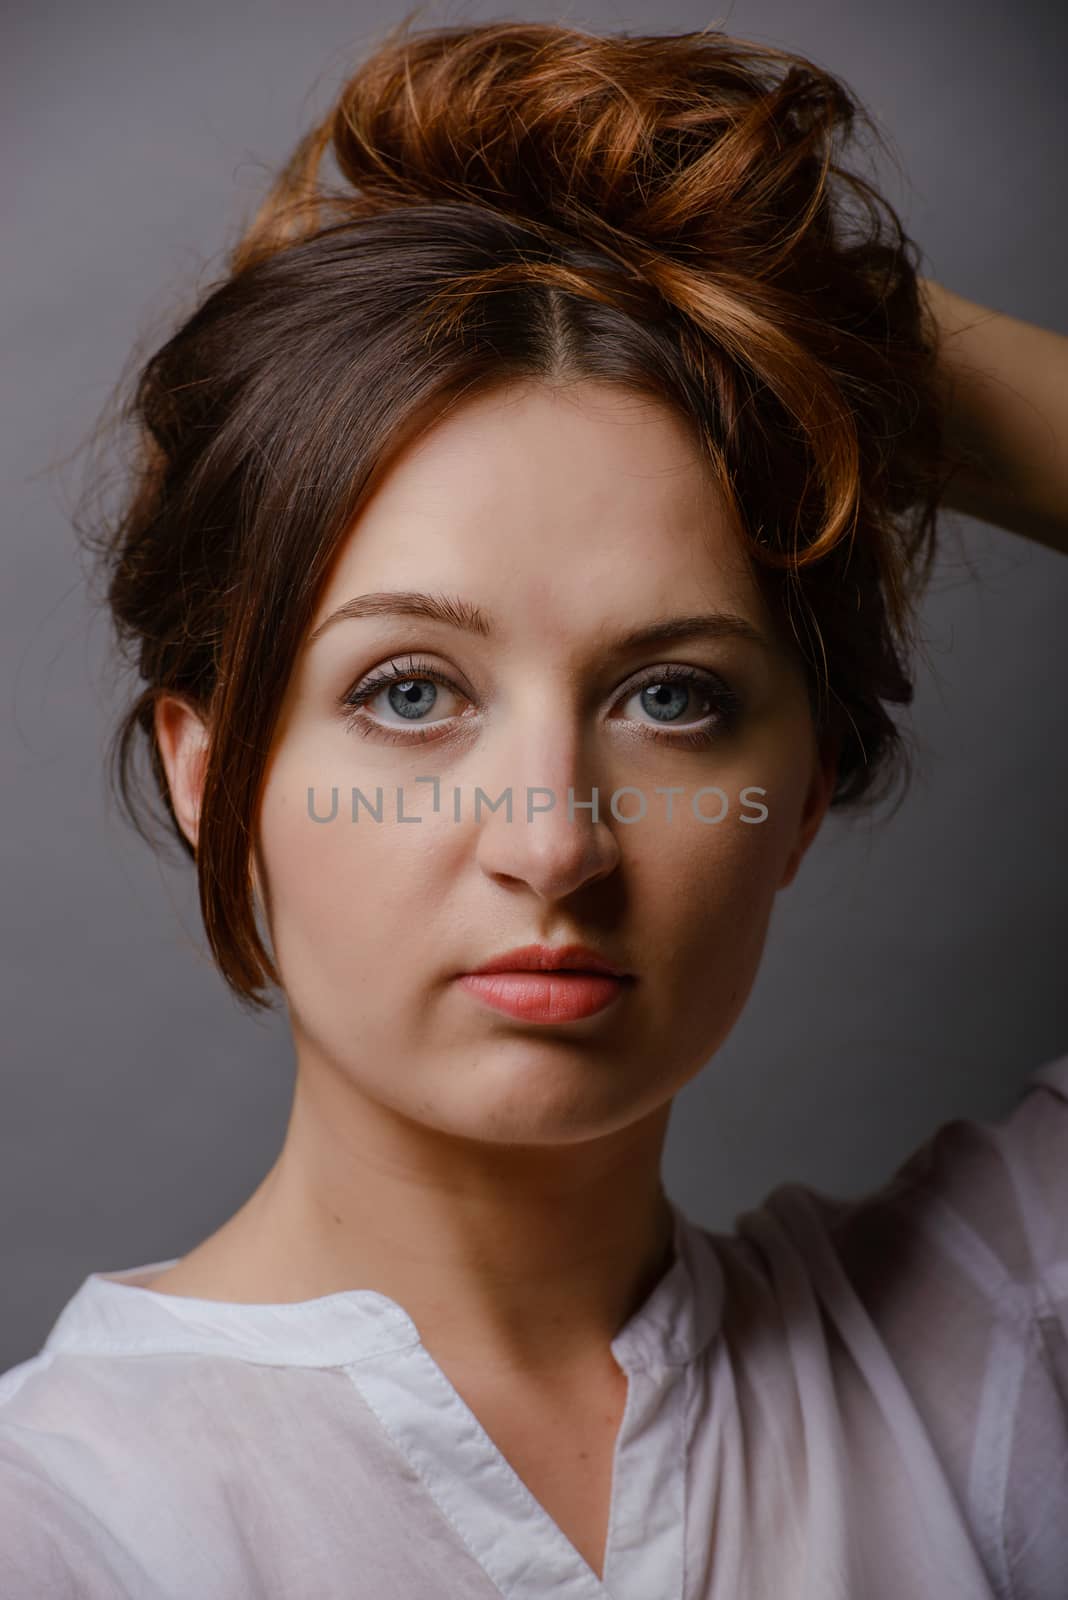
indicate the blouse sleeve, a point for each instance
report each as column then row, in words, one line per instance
column 1019, row 1213
column 975, row 1224
column 1033, row 1141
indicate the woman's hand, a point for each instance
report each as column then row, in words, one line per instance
column 1007, row 412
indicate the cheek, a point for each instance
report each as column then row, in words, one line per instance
column 703, row 896
column 705, row 886
column 726, row 840
column 341, row 895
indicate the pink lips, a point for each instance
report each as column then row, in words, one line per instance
column 540, row 984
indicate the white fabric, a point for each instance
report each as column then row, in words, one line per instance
column 840, row 1400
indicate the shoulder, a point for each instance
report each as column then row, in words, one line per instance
column 986, row 1197
column 991, row 1194
column 51, row 1543
column 106, row 1462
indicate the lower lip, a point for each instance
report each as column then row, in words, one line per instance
column 545, row 996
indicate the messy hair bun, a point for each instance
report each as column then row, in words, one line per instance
column 667, row 212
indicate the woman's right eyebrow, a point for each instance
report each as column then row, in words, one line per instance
column 456, row 612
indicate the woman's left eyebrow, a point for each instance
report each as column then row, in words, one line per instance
column 710, row 624
column 456, row 612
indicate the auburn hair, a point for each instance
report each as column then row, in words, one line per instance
column 512, row 201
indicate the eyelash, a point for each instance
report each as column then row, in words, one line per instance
column 726, row 701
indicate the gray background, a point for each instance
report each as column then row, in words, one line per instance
column 915, row 971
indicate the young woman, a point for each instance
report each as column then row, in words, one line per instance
column 519, row 564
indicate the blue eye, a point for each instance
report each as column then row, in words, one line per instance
column 665, row 701
column 669, row 692
column 410, row 697
column 665, row 694
column 411, row 693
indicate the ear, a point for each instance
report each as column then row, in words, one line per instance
column 183, row 737
column 818, row 798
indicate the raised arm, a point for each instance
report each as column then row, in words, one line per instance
column 1007, row 404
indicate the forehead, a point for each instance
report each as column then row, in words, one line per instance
column 568, row 504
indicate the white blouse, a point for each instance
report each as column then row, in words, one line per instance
column 841, row 1400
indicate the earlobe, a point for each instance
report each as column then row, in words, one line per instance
column 183, row 738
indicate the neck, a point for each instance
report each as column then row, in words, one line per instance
column 519, row 1258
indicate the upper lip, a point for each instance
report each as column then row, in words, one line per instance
column 550, row 958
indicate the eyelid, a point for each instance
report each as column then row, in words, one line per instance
column 728, row 703
column 398, row 669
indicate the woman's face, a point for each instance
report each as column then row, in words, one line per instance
column 570, row 518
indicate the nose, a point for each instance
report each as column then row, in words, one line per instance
column 558, row 839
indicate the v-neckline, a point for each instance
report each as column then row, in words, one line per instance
column 563, row 1449
column 497, row 1516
